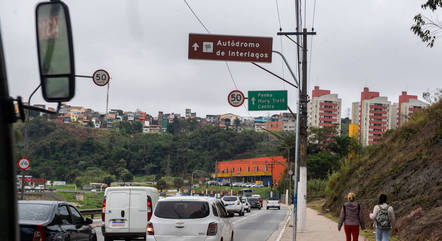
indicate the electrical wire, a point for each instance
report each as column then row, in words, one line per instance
column 311, row 41
column 196, row 16
column 281, row 42
column 227, row 64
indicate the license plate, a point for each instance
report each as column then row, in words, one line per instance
column 118, row 223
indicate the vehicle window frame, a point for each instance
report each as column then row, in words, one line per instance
column 222, row 210
column 59, row 218
column 70, row 208
column 214, row 210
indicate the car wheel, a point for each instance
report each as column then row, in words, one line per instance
column 241, row 213
column 267, row 208
column 108, row 238
column 93, row 238
column 279, row 208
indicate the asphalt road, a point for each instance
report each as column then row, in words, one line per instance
column 257, row 225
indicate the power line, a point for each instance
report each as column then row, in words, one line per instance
column 196, row 16
column 227, row 64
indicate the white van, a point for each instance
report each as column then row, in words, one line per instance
column 126, row 211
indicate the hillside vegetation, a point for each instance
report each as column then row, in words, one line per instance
column 407, row 167
column 74, row 153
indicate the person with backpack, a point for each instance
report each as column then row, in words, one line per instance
column 351, row 217
column 384, row 218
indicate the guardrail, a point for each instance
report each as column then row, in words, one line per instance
column 91, row 212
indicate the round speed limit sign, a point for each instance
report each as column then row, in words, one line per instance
column 23, row 163
column 236, row 98
column 101, row 77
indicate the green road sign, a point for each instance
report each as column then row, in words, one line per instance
column 268, row 100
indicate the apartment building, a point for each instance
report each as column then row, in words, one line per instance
column 355, row 112
column 274, row 123
column 393, row 118
column 408, row 104
column 374, row 116
column 288, row 122
column 324, row 109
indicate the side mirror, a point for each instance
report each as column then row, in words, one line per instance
column 55, row 51
column 87, row 221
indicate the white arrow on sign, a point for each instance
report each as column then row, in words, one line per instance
column 195, row 46
column 253, row 100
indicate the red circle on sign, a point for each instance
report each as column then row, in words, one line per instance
column 23, row 164
column 107, row 76
column 236, row 104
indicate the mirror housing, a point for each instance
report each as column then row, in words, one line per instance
column 88, row 221
column 55, row 51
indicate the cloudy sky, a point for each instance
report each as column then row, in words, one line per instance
column 143, row 45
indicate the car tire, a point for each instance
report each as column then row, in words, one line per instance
column 279, row 208
column 93, row 238
column 267, row 208
column 108, row 238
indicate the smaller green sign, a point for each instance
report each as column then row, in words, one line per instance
column 267, row 100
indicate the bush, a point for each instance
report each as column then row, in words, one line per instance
column 315, row 188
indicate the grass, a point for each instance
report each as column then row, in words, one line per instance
column 63, row 187
column 91, row 200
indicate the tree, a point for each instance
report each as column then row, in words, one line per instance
column 108, row 180
column 126, row 176
column 432, row 96
column 178, row 182
column 161, row 184
column 428, row 29
column 321, row 164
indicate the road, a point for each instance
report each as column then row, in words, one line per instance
column 257, row 225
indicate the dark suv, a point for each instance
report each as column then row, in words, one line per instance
column 254, row 202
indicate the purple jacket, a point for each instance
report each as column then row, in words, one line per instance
column 351, row 214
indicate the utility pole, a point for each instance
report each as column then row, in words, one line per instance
column 301, row 205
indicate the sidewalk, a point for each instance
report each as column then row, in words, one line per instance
column 318, row 228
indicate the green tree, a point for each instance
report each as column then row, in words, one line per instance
column 178, row 182
column 161, row 184
column 319, row 165
column 428, row 29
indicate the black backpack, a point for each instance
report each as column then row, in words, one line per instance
column 382, row 219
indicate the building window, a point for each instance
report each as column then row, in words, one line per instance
column 265, row 168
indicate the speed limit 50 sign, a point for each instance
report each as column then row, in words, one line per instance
column 236, row 98
column 101, row 77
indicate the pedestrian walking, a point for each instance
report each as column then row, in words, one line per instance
column 351, row 217
column 384, row 218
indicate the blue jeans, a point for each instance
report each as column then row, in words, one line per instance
column 382, row 234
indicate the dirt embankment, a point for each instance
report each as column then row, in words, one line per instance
column 407, row 167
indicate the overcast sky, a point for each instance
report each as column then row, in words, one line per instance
column 143, row 45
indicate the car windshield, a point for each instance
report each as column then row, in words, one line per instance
column 252, row 200
column 229, row 199
column 33, row 211
column 182, row 209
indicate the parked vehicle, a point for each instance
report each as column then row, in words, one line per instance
column 246, row 204
column 53, row 220
column 126, row 211
column 254, row 202
column 233, row 205
column 189, row 219
column 273, row 204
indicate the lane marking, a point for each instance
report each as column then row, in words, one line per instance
column 246, row 217
column 285, row 225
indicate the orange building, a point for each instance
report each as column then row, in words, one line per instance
column 268, row 170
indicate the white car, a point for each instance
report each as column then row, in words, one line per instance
column 273, row 204
column 126, row 211
column 246, row 204
column 233, row 205
column 189, row 219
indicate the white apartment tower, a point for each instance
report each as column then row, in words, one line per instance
column 324, row 109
